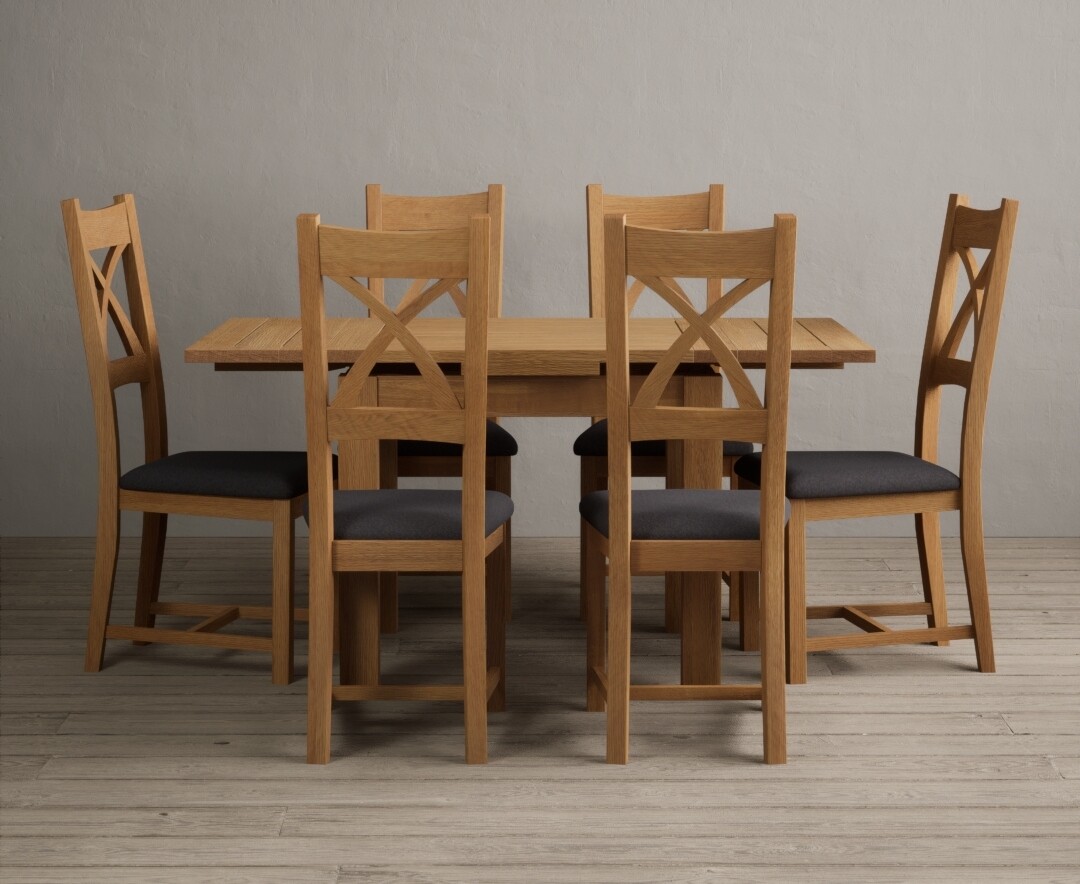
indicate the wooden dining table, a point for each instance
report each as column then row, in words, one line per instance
column 538, row 367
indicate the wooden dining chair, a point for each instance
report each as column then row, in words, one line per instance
column 383, row 529
column 649, row 457
column 829, row 485
column 265, row 486
column 650, row 531
column 425, row 457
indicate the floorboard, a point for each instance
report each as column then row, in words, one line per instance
column 179, row 764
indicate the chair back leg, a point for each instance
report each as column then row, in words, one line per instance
column 618, row 663
column 497, row 596
column 108, row 544
column 389, row 615
column 795, row 583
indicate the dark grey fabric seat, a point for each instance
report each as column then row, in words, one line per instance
column 593, row 443
column 410, row 514
column 682, row 514
column 819, row 474
column 500, row 443
column 269, row 475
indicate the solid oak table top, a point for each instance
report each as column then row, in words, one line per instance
column 520, row 345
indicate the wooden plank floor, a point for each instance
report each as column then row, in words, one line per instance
column 183, row 764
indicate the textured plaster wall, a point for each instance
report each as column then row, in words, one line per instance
column 229, row 118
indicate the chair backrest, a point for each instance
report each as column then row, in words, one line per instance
column 115, row 231
column 656, row 258
column 451, row 412
column 691, row 211
column 393, row 212
column 966, row 230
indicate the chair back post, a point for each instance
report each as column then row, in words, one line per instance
column 715, row 285
column 691, row 211
column 115, row 228
column 152, row 391
column 777, row 385
column 322, row 598
column 496, row 211
column 928, row 406
column 965, row 229
column 95, row 344
column 474, row 369
column 373, row 201
column 316, row 389
column 616, row 314
column 596, row 224
column 985, row 346
column 394, row 212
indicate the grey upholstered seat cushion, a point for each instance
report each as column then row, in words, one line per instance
column 593, row 443
column 499, row 444
column 270, row 475
column 410, row 514
column 682, row 514
column 819, row 474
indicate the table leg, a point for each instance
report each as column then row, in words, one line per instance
column 745, row 602
column 358, row 602
column 702, row 468
column 700, row 628
column 673, row 580
column 358, row 652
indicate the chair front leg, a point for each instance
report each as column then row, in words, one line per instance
column 151, row 556
column 281, row 611
column 749, row 584
column 673, row 580
column 734, row 596
column 928, row 535
column 499, row 479
column 496, row 596
column 795, row 595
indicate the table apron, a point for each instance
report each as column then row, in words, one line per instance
column 532, row 396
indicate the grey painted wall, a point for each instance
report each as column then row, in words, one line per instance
column 226, row 119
